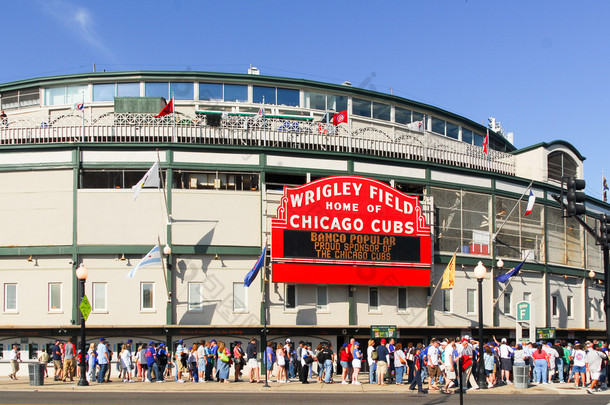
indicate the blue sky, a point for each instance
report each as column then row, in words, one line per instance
column 540, row 67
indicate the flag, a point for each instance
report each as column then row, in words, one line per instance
column 152, row 257
column 260, row 113
column 254, row 272
column 79, row 106
column 503, row 278
column 150, row 179
column 605, row 188
column 415, row 126
column 449, row 275
column 486, row 142
column 340, row 117
column 530, row 204
column 168, row 109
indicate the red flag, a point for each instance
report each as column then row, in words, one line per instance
column 168, row 109
column 486, row 142
column 340, row 117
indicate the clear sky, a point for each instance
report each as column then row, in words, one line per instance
column 540, row 67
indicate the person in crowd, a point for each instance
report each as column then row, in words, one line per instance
column 281, row 363
column 252, row 354
column 391, row 349
column 541, row 364
column 69, row 360
column 44, row 358
column 552, row 357
column 152, row 364
column 400, row 363
column 143, row 363
column 201, row 360
column 91, row 362
column 559, row 361
column 383, row 357
column 327, row 361
column 288, row 349
column 434, row 370
column 448, row 357
column 417, row 368
column 371, row 358
column 580, row 365
column 103, row 359
column 15, row 358
column 270, row 360
column 505, row 352
column 356, row 362
column 489, row 359
column 223, row 362
column 56, row 356
column 467, row 357
column 593, row 360
column 344, row 356
column 409, row 355
column 126, row 365
column 192, row 363
column 306, row 360
column 162, row 358
column 239, row 360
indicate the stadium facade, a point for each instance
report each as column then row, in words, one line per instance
column 66, row 178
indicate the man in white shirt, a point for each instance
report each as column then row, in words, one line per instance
column 15, row 358
column 505, row 361
column 434, row 371
column 553, row 355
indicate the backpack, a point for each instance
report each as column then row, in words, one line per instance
column 374, row 355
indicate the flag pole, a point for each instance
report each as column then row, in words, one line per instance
column 264, row 130
column 440, row 281
column 173, row 118
column 169, row 299
column 495, row 235
column 495, row 302
column 82, row 137
column 169, row 217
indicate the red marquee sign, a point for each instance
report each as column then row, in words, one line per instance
column 350, row 230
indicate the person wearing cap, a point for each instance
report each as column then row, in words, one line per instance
column 152, row 363
column 356, row 362
column 289, row 360
column 467, row 356
column 505, row 352
column 383, row 358
column 103, row 360
column 251, row 354
column 162, row 358
column 593, row 361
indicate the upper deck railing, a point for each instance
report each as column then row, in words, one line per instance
column 244, row 131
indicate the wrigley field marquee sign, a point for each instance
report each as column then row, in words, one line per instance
column 350, row 230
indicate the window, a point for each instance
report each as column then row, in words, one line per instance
column 258, row 92
column 236, row 92
column 478, row 139
column 373, row 299
column 66, row 95
column 104, row 92
column 240, row 302
column 128, row 89
column 507, row 309
column 215, row 180
column 591, row 308
column 157, row 90
column 147, row 292
column 289, row 97
column 23, row 98
column 315, row 101
column 555, row 305
column 322, row 298
column 117, row 179
column 181, row 91
column 99, row 296
column 361, row 107
column 570, row 306
column 453, row 131
column 10, row 297
column 561, row 164
column 381, row 111
column 195, row 296
column 402, row 116
column 402, row 299
column 290, row 293
column 438, row 126
column 447, row 300
column 337, row 103
column 54, row 297
column 470, row 300
column 467, row 136
column 210, row 91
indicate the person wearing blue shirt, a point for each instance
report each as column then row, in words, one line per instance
column 383, row 358
column 103, row 359
column 152, row 363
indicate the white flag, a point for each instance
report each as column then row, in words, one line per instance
column 415, row 126
column 150, row 179
column 154, row 256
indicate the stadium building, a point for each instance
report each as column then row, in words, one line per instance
column 235, row 147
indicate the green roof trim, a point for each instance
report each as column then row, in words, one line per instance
column 255, row 79
column 548, row 145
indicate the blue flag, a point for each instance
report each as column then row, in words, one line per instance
column 254, row 272
column 503, row 278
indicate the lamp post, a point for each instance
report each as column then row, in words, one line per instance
column 479, row 272
column 81, row 274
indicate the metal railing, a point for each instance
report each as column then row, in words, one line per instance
column 243, row 131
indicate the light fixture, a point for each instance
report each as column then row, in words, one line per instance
column 500, row 263
column 591, row 274
column 480, row 271
column 167, row 250
column 216, row 257
column 30, row 259
column 82, row 272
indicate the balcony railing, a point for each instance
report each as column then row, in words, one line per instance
column 243, row 131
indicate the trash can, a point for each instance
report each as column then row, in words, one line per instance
column 36, row 371
column 521, row 376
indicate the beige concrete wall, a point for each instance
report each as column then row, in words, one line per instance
column 36, row 208
column 32, row 279
column 216, row 217
column 111, row 217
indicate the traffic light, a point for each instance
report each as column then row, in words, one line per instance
column 575, row 197
column 604, row 229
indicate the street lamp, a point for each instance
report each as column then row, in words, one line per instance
column 479, row 272
column 81, row 274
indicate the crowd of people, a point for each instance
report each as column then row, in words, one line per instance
column 441, row 362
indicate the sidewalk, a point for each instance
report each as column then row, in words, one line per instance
column 6, row 384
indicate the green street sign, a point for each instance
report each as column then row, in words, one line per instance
column 85, row 308
column 523, row 311
column 384, row 331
